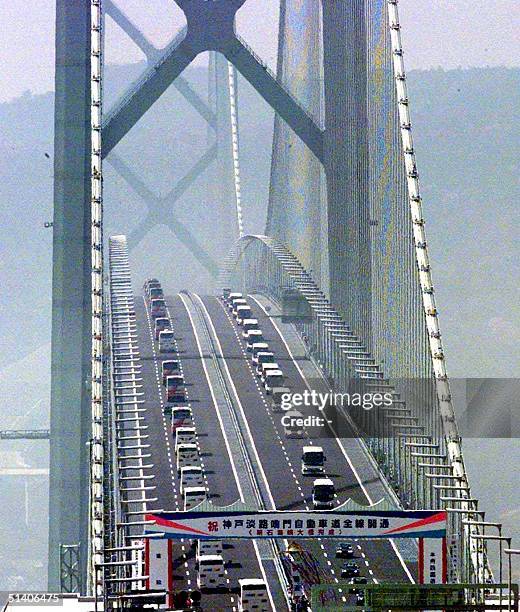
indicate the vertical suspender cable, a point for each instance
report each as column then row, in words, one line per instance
column 442, row 386
column 234, row 145
column 96, row 463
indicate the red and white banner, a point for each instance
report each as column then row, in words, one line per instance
column 281, row 524
column 432, row 561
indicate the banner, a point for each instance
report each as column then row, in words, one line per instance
column 432, row 561
column 311, row 524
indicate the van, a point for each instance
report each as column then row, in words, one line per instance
column 272, row 378
column 191, row 476
column 265, row 367
column 323, row 493
column 277, row 397
column 211, row 573
column 248, row 325
column 181, row 417
column 175, row 390
column 193, row 496
column 161, row 323
column 313, row 460
column 187, row 454
column 263, row 358
column 254, row 336
column 168, row 368
column 207, row 547
column 241, row 313
column 292, row 426
column 166, row 341
column 185, row 435
column 257, row 348
column 236, row 301
column 253, row 595
column 158, row 308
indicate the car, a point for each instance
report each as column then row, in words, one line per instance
column 357, row 580
column 350, row 569
column 360, row 599
column 344, row 551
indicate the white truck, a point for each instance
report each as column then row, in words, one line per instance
column 313, row 460
column 323, row 493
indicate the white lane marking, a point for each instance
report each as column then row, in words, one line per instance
column 338, row 440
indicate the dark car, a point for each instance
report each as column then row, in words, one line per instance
column 354, row 581
column 349, row 570
column 360, row 599
column 344, row 551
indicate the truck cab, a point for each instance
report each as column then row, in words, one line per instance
column 273, row 378
column 187, row 454
column 166, row 341
column 181, row 417
column 254, row 336
column 158, row 308
column 265, row 367
column 257, row 348
column 262, row 358
column 253, row 595
column 155, row 293
column 193, row 497
column 191, row 476
column 168, row 368
column 313, row 460
column 185, row 435
column 161, row 323
column 277, row 395
column 248, row 325
column 241, row 313
column 323, row 493
column 211, row 574
column 175, row 390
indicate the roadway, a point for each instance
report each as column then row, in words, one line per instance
column 279, row 457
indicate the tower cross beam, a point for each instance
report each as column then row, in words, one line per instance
column 210, row 27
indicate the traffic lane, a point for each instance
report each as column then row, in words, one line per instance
column 222, row 486
column 377, row 556
column 163, row 459
column 183, row 550
column 282, row 473
column 287, row 493
column 223, row 490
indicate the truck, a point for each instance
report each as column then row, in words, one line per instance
column 169, row 367
column 323, row 493
column 166, row 341
column 254, row 336
column 277, row 396
column 161, row 323
column 248, row 325
column 241, row 313
column 158, row 308
column 254, row 596
column 313, row 460
column 175, row 390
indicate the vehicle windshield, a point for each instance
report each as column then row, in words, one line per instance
column 181, row 414
column 158, row 303
column 324, row 492
column 315, row 458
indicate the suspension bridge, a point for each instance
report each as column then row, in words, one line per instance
column 339, row 281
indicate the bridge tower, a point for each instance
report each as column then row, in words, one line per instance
column 71, row 300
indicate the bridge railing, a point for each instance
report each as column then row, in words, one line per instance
column 406, row 439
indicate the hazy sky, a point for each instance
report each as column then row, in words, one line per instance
column 446, row 33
